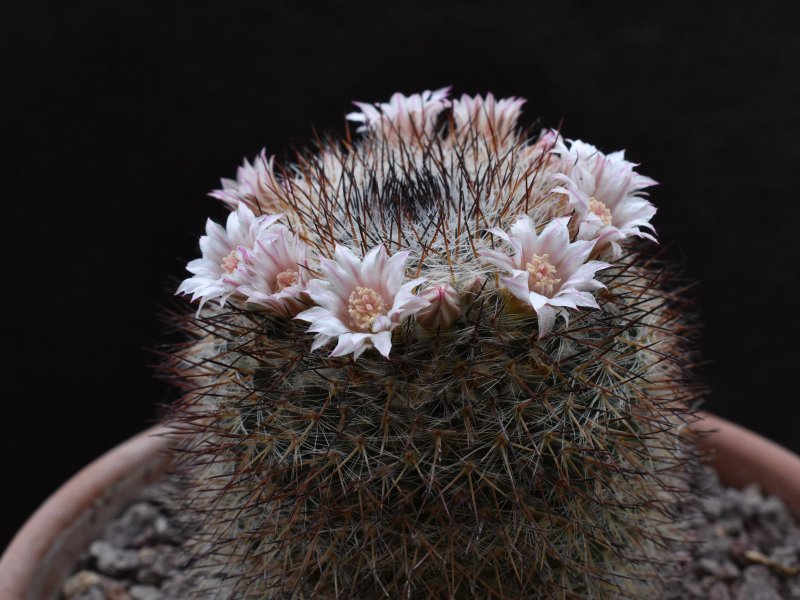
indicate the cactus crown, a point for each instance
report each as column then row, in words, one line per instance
column 438, row 363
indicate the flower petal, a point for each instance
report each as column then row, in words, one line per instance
column 517, row 284
column 497, row 258
column 546, row 315
column 383, row 342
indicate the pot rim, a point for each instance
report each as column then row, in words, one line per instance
column 38, row 560
column 41, row 554
column 741, row 456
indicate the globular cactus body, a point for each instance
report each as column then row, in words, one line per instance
column 493, row 408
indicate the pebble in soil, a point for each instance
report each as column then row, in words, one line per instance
column 139, row 556
column 747, row 547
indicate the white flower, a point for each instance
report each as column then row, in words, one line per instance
column 548, row 272
column 256, row 186
column 274, row 273
column 220, row 254
column 574, row 153
column 493, row 118
column 548, row 138
column 540, row 154
column 607, row 206
column 605, row 192
column 403, row 116
column 360, row 301
column 582, row 155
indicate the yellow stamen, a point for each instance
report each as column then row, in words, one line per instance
column 230, row 262
column 363, row 306
column 286, row 278
column 542, row 275
column 600, row 209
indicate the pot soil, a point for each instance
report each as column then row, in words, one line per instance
column 748, row 545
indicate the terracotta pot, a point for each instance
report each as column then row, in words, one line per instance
column 42, row 554
column 44, row 551
column 742, row 457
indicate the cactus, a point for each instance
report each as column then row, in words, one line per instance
column 440, row 358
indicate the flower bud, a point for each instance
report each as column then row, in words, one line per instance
column 444, row 309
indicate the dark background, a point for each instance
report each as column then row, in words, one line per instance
column 118, row 117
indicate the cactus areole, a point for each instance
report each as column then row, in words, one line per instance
column 439, row 358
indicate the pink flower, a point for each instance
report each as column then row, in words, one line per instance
column 574, row 153
column 577, row 154
column 607, row 205
column 548, row 139
column 548, row 272
column 255, row 186
column 220, row 254
column 403, row 116
column 494, row 119
column 274, row 273
column 360, row 301
column 606, row 194
column 540, row 151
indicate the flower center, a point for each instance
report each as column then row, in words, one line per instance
column 363, row 306
column 600, row 209
column 230, row 262
column 286, row 278
column 542, row 275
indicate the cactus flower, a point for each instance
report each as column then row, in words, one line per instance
column 403, row 116
column 211, row 273
column 605, row 192
column 255, row 186
column 361, row 301
column 274, row 273
column 491, row 117
column 548, row 272
column 607, row 206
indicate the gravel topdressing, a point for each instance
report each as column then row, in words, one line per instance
column 748, row 548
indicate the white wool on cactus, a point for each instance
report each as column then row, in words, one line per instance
column 212, row 272
column 403, row 117
column 360, row 301
column 547, row 271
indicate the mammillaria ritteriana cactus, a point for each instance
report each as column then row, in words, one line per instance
column 437, row 359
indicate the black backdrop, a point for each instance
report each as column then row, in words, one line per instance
column 118, row 118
